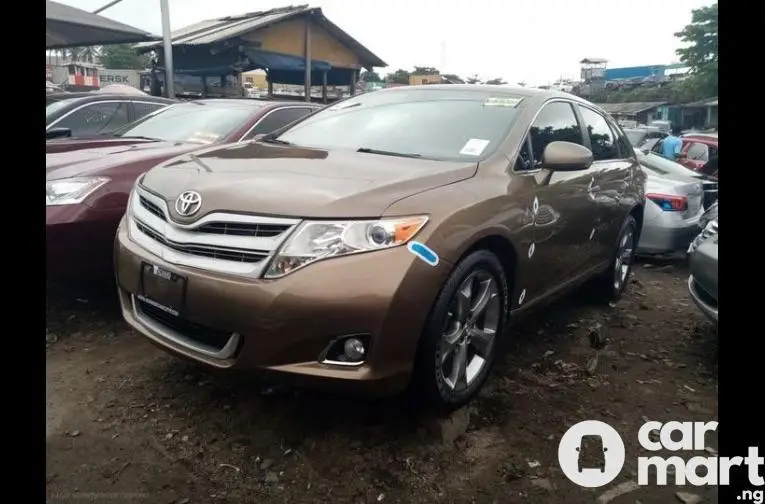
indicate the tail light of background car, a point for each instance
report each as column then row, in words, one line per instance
column 669, row 202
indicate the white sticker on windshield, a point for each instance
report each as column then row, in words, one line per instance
column 474, row 147
column 502, row 101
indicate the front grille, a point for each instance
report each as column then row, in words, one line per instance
column 207, row 336
column 243, row 229
column 151, row 207
column 211, row 251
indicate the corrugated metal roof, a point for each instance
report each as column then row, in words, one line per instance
column 67, row 26
column 629, row 108
column 218, row 30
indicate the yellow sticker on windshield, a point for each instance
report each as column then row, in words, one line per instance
column 502, row 101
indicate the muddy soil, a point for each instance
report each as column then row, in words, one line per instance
column 128, row 423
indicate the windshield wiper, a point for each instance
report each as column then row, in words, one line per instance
column 138, row 137
column 273, row 140
column 388, row 153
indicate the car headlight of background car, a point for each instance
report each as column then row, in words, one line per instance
column 71, row 191
column 316, row 240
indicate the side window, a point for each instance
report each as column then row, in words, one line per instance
column 602, row 141
column 555, row 122
column 141, row 109
column 625, row 149
column 524, row 160
column 277, row 119
column 698, row 152
column 96, row 118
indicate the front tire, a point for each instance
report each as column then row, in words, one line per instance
column 610, row 284
column 460, row 339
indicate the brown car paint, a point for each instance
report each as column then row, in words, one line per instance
column 285, row 323
column 79, row 238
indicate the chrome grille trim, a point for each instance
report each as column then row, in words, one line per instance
column 196, row 246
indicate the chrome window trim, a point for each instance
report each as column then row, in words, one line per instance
column 268, row 113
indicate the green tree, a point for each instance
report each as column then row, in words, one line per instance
column 496, row 82
column 473, row 79
column 700, row 54
column 425, row 70
column 400, row 76
column 123, row 57
column 89, row 54
column 368, row 76
column 453, row 78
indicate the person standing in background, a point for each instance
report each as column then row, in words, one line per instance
column 672, row 146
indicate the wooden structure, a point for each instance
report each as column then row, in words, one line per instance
column 294, row 45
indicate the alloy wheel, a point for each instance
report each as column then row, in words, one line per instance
column 470, row 330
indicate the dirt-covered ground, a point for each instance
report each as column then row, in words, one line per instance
column 128, row 423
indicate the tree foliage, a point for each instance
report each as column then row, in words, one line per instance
column 400, row 76
column 123, row 57
column 473, row 79
column 700, row 54
column 368, row 76
column 425, row 70
column 496, row 82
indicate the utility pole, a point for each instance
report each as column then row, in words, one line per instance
column 168, row 45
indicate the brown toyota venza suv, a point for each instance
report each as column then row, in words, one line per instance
column 383, row 241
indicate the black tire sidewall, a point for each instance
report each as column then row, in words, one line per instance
column 427, row 372
column 629, row 224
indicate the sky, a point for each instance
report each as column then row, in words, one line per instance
column 535, row 42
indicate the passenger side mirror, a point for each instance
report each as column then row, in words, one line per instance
column 58, row 133
column 566, row 156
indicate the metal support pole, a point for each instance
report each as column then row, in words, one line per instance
column 110, row 4
column 308, row 59
column 168, row 45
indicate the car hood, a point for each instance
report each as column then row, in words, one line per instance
column 261, row 178
column 98, row 160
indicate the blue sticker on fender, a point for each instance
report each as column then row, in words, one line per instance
column 423, row 252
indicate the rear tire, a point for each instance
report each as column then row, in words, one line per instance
column 460, row 340
column 609, row 285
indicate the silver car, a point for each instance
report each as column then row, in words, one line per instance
column 702, row 282
column 674, row 205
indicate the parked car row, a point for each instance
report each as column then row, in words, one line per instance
column 88, row 179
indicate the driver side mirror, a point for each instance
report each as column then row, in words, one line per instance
column 58, row 133
column 566, row 156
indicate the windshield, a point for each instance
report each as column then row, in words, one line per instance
column 664, row 166
column 57, row 105
column 193, row 122
column 432, row 124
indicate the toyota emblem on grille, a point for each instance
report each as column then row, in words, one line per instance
column 188, row 203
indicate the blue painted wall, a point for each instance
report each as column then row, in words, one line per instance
column 630, row 72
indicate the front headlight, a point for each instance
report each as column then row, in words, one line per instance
column 71, row 191
column 316, row 240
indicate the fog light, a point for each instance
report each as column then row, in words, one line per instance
column 350, row 350
column 354, row 349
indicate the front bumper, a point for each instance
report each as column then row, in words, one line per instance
column 79, row 240
column 703, row 300
column 281, row 327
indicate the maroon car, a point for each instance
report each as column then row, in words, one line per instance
column 88, row 180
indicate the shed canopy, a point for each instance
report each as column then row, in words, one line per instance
column 67, row 26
